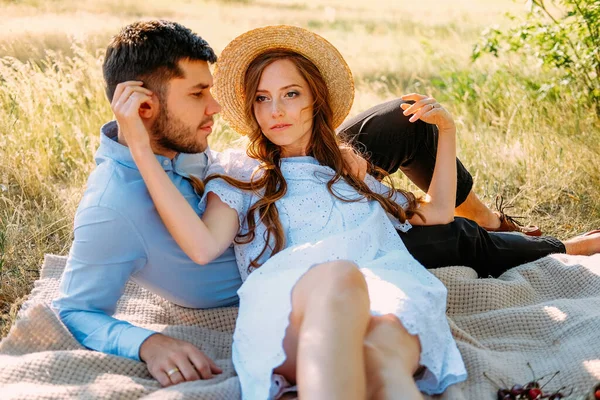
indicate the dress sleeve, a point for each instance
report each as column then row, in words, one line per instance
column 236, row 165
column 397, row 197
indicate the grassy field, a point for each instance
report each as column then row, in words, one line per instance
column 539, row 151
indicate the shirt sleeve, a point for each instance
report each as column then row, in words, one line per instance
column 398, row 198
column 106, row 252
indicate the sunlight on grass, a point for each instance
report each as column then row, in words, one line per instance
column 538, row 148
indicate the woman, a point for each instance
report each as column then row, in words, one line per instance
column 334, row 302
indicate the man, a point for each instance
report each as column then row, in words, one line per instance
column 118, row 232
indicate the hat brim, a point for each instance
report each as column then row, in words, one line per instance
column 240, row 52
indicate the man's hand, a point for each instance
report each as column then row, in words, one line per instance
column 129, row 98
column 355, row 164
column 171, row 361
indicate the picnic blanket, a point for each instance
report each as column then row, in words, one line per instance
column 546, row 313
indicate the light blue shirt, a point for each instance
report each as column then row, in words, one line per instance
column 120, row 236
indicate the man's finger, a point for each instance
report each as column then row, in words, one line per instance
column 201, row 363
column 187, row 369
column 204, row 370
column 175, row 376
column 214, row 367
column 162, row 378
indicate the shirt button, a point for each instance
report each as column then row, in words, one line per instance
column 166, row 162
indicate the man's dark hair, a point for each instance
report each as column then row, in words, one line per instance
column 149, row 51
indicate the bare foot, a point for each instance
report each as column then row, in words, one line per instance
column 584, row 245
column 391, row 359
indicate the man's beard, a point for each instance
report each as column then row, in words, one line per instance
column 172, row 134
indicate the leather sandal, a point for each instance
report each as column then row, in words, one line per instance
column 509, row 223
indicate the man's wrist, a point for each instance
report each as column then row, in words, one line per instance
column 145, row 351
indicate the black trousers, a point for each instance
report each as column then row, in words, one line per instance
column 391, row 142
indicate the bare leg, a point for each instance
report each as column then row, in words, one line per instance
column 324, row 342
column 584, row 245
column 473, row 209
column 392, row 358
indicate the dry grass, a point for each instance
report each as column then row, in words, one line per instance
column 541, row 152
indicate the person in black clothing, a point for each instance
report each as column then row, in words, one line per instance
column 386, row 137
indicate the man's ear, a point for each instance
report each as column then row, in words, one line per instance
column 151, row 108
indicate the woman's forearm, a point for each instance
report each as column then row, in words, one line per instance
column 442, row 189
column 186, row 227
column 438, row 207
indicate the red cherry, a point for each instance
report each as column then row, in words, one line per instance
column 516, row 390
column 534, row 393
column 597, row 394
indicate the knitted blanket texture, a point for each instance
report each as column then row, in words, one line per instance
column 546, row 313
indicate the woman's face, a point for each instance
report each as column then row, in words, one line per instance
column 283, row 107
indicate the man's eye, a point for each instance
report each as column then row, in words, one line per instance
column 197, row 94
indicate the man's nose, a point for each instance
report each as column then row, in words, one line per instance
column 214, row 107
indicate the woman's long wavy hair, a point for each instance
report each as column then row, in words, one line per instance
column 324, row 146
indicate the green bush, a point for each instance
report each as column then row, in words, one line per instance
column 567, row 41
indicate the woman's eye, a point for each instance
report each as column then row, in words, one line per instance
column 260, row 99
column 291, row 94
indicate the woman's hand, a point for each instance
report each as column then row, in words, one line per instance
column 127, row 102
column 427, row 109
column 355, row 164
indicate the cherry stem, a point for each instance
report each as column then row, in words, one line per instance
column 549, row 380
column 532, row 373
column 493, row 381
column 570, row 393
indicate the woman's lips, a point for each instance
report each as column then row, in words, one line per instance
column 280, row 127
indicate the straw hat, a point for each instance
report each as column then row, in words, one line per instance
column 237, row 56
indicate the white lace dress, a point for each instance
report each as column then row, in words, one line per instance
column 320, row 228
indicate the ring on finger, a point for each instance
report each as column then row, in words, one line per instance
column 172, row 371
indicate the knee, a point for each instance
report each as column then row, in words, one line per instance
column 390, row 114
column 339, row 283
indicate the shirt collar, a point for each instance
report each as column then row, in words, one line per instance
column 183, row 164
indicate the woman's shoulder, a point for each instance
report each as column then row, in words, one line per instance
column 234, row 163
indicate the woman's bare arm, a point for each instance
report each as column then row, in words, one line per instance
column 439, row 204
column 202, row 240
